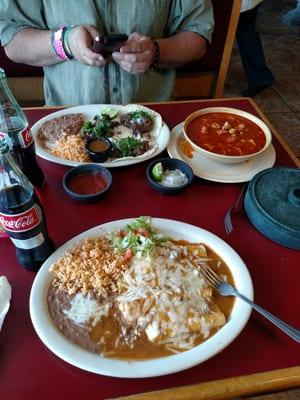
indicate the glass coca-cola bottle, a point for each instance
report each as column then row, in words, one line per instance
column 15, row 129
column 21, row 214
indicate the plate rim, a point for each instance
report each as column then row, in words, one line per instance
column 83, row 359
column 165, row 130
column 176, row 131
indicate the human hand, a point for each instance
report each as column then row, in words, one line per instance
column 137, row 55
column 80, row 42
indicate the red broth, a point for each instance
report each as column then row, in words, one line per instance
column 87, row 183
column 227, row 134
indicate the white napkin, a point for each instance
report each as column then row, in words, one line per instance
column 5, row 296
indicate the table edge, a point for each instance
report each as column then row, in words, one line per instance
column 151, row 102
column 276, row 133
column 253, row 384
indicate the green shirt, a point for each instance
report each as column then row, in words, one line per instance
column 72, row 83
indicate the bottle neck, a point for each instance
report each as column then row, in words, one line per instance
column 12, row 117
column 11, row 174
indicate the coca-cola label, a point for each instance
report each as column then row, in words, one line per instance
column 20, row 222
column 6, row 137
column 25, row 138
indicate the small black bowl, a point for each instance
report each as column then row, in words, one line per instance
column 87, row 175
column 170, row 164
column 98, row 149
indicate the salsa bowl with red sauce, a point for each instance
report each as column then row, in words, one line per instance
column 226, row 135
column 87, row 183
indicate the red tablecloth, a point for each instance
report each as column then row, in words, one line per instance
column 28, row 370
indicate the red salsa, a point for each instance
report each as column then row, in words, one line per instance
column 227, row 134
column 90, row 182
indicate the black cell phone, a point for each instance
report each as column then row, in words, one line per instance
column 107, row 44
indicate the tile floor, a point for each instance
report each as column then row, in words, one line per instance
column 280, row 102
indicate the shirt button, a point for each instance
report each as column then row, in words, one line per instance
column 115, row 89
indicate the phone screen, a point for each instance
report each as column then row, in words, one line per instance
column 107, row 44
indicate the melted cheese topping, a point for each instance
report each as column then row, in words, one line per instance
column 85, row 309
column 167, row 297
column 162, row 295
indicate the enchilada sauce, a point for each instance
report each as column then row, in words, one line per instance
column 102, row 337
column 142, row 348
column 227, row 134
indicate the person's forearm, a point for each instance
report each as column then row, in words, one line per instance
column 180, row 49
column 32, row 46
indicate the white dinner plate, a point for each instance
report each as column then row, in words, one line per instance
column 75, row 355
column 89, row 111
column 217, row 172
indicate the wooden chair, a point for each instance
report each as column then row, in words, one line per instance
column 206, row 77
column 25, row 81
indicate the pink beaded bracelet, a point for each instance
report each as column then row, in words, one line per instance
column 57, row 43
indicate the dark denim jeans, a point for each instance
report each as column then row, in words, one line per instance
column 258, row 75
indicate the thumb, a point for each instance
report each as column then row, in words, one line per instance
column 92, row 31
column 136, row 36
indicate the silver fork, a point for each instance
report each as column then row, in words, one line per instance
column 227, row 219
column 225, row 289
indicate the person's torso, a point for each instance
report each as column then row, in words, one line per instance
column 108, row 84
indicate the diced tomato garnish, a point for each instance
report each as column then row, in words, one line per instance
column 128, row 254
column 122, row 233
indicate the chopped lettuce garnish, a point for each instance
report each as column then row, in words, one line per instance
column 139, row 237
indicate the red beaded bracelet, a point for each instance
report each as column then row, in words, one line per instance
column 155, row 61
